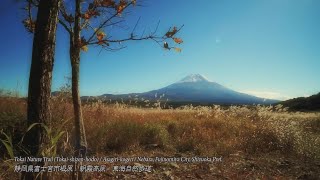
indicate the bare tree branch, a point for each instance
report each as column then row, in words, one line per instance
column 152, row 36
column 102, row 25
column 67, row 18
column 65, row 27
column 29, row 9
column 135, row 26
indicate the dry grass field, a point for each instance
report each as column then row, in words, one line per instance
column 254, row 142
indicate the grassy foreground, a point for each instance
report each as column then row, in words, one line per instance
column 254, row 142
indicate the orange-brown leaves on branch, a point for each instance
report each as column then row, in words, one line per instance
column 121, row 7
column 83, row 44
column 90, row 13
column 104, row 3
column 119, row 10
column 178, row 49
column 178, row 40
column 83, row 41
column 86, row 16
column 29, row 25
column 84, row 48
column 170, row 34
column 100, row 36
column 166, row 46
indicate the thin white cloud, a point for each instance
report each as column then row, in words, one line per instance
column 267, row 94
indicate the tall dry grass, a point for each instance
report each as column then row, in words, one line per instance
column 119, row 128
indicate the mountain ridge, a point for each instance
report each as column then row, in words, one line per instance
column 198, row 89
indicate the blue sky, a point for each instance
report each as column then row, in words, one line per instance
column 265, row 48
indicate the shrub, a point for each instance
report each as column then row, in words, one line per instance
column 122, row 135
column 154, row 134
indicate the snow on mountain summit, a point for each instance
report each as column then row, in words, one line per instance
column 195, row 88
column 194, row 78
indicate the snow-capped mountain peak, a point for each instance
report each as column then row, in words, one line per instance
column 194, row 89
column 194, row 78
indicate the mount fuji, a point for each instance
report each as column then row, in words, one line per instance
column 196, row 89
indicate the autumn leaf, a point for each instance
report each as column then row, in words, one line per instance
column 100, row 36
column 94, row 13
column 83, row 44
column 90, row 13
column 83, row 41
column 121, row 7
column 86, row 15
column 97, row 3
column 134, row 2
column 84, row 48
column 100, row 33
column 178, row 40
column 177, row 49
column 166, row 45
column 170, row 34
column 30, row 25
column 105, row 3
column 174, row 29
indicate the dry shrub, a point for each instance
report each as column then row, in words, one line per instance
column 12, row 113
column 187, row 145
column 122, row 135
column 312, row 126
column 154, row 134
column 264, row 140
column 12, row 119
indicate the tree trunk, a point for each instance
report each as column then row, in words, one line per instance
column 75, row 48
column 39, row 91
column 80, row 136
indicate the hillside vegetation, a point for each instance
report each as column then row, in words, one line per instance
column 257, row 142
column 311, row 103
